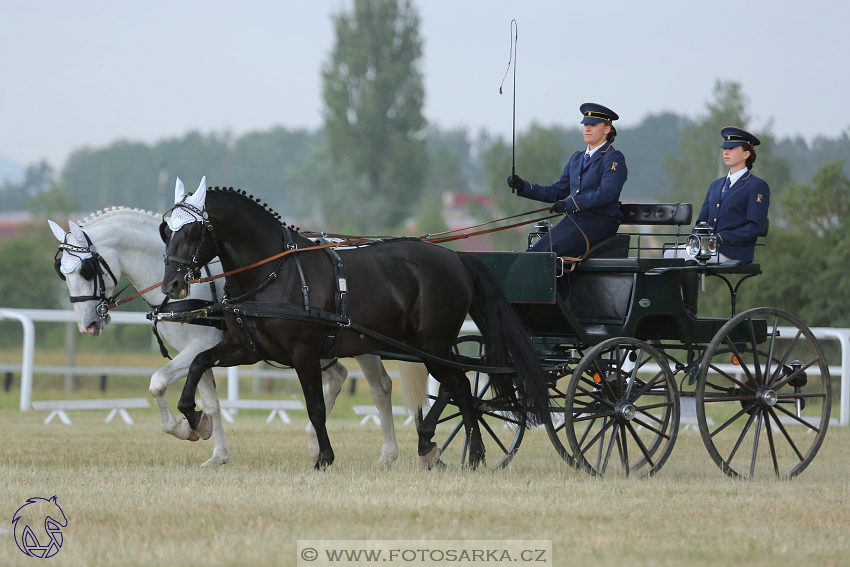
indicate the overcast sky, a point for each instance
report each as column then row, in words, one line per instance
column 88, row 73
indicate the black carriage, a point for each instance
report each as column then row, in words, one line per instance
column 627, row 365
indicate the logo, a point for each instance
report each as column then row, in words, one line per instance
column 614, row 165
column 38, row 527
column 758, row 198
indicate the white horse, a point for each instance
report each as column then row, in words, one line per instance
column 129, row 243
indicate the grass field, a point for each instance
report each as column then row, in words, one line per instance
column 135, row 496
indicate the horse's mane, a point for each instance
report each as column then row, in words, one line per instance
column 113, row 211
column 255, row 202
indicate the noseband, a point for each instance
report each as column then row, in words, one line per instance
column 92, row 267
column 192, row 266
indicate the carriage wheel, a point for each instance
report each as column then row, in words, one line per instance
column 763, row 395
column 622, row 394
column 501, row 434
column 556, row 426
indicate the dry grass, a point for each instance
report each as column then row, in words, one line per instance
column 134, row 496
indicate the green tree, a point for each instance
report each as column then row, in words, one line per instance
column 55, row 202
column 701, row 161
column 28, row 280
column 429, row 217
column 540, row 158
column 813, row 258
column 373, row 92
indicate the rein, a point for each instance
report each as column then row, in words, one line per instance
column 358, row 240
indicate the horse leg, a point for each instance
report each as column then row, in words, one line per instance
column 309, row 370
column 462, row 395
column 212, row 420
column 429, row 452
column 381, row 387
column 160, row 381
column 332, row 380
column 225, row 353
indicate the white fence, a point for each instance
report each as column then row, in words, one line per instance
column 28, row 317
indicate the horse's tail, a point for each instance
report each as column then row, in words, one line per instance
column 414, row 385
column 507, row 345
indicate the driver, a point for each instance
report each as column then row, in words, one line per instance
column 588, row 190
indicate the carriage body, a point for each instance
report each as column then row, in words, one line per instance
column 624, row 358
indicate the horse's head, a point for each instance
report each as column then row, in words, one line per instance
column 91, row 280
column 189, row 242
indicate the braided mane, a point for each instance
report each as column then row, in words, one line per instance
column 255, row 201
column 112, row 211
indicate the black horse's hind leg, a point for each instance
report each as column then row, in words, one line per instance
column 309, row 372
column 462, row 395
column 224, row 353
column 427, row 428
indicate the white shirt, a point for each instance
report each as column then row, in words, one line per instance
column 734, row 177
column 590, row 152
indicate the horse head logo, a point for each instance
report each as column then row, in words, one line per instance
column 38, row 527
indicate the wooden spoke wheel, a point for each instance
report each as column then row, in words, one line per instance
column 622, row 395
column 763, row 395
column 501, row 433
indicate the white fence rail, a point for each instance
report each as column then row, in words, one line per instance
column 27, row 318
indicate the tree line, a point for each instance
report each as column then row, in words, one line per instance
column 376, row 163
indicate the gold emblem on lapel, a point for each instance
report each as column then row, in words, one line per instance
column 614, row 165
column 758, row 198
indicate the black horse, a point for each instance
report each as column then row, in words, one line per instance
column 406, row 290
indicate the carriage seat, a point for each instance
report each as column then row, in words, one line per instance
column 615, row 247
column 641, row 213
column 751, row 268
column 601, row 288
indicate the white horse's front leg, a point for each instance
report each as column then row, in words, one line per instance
column 381, row 386
column 332, row 380
column 160, row 381
column 212, row 418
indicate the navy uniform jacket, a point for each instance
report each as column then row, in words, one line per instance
column 595, row 187
column 740, row 217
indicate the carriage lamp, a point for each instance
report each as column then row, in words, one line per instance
column 540, row 230
column 702, row 244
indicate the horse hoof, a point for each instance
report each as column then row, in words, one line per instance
column 381, row 465
column 216, row 461
column 183, row 431
column 205, row 427
column 432, row 460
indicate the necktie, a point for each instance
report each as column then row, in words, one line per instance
column 725, row 188
column 586, row 157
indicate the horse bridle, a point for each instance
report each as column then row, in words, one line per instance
column 192, row 265
column 90, row 268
